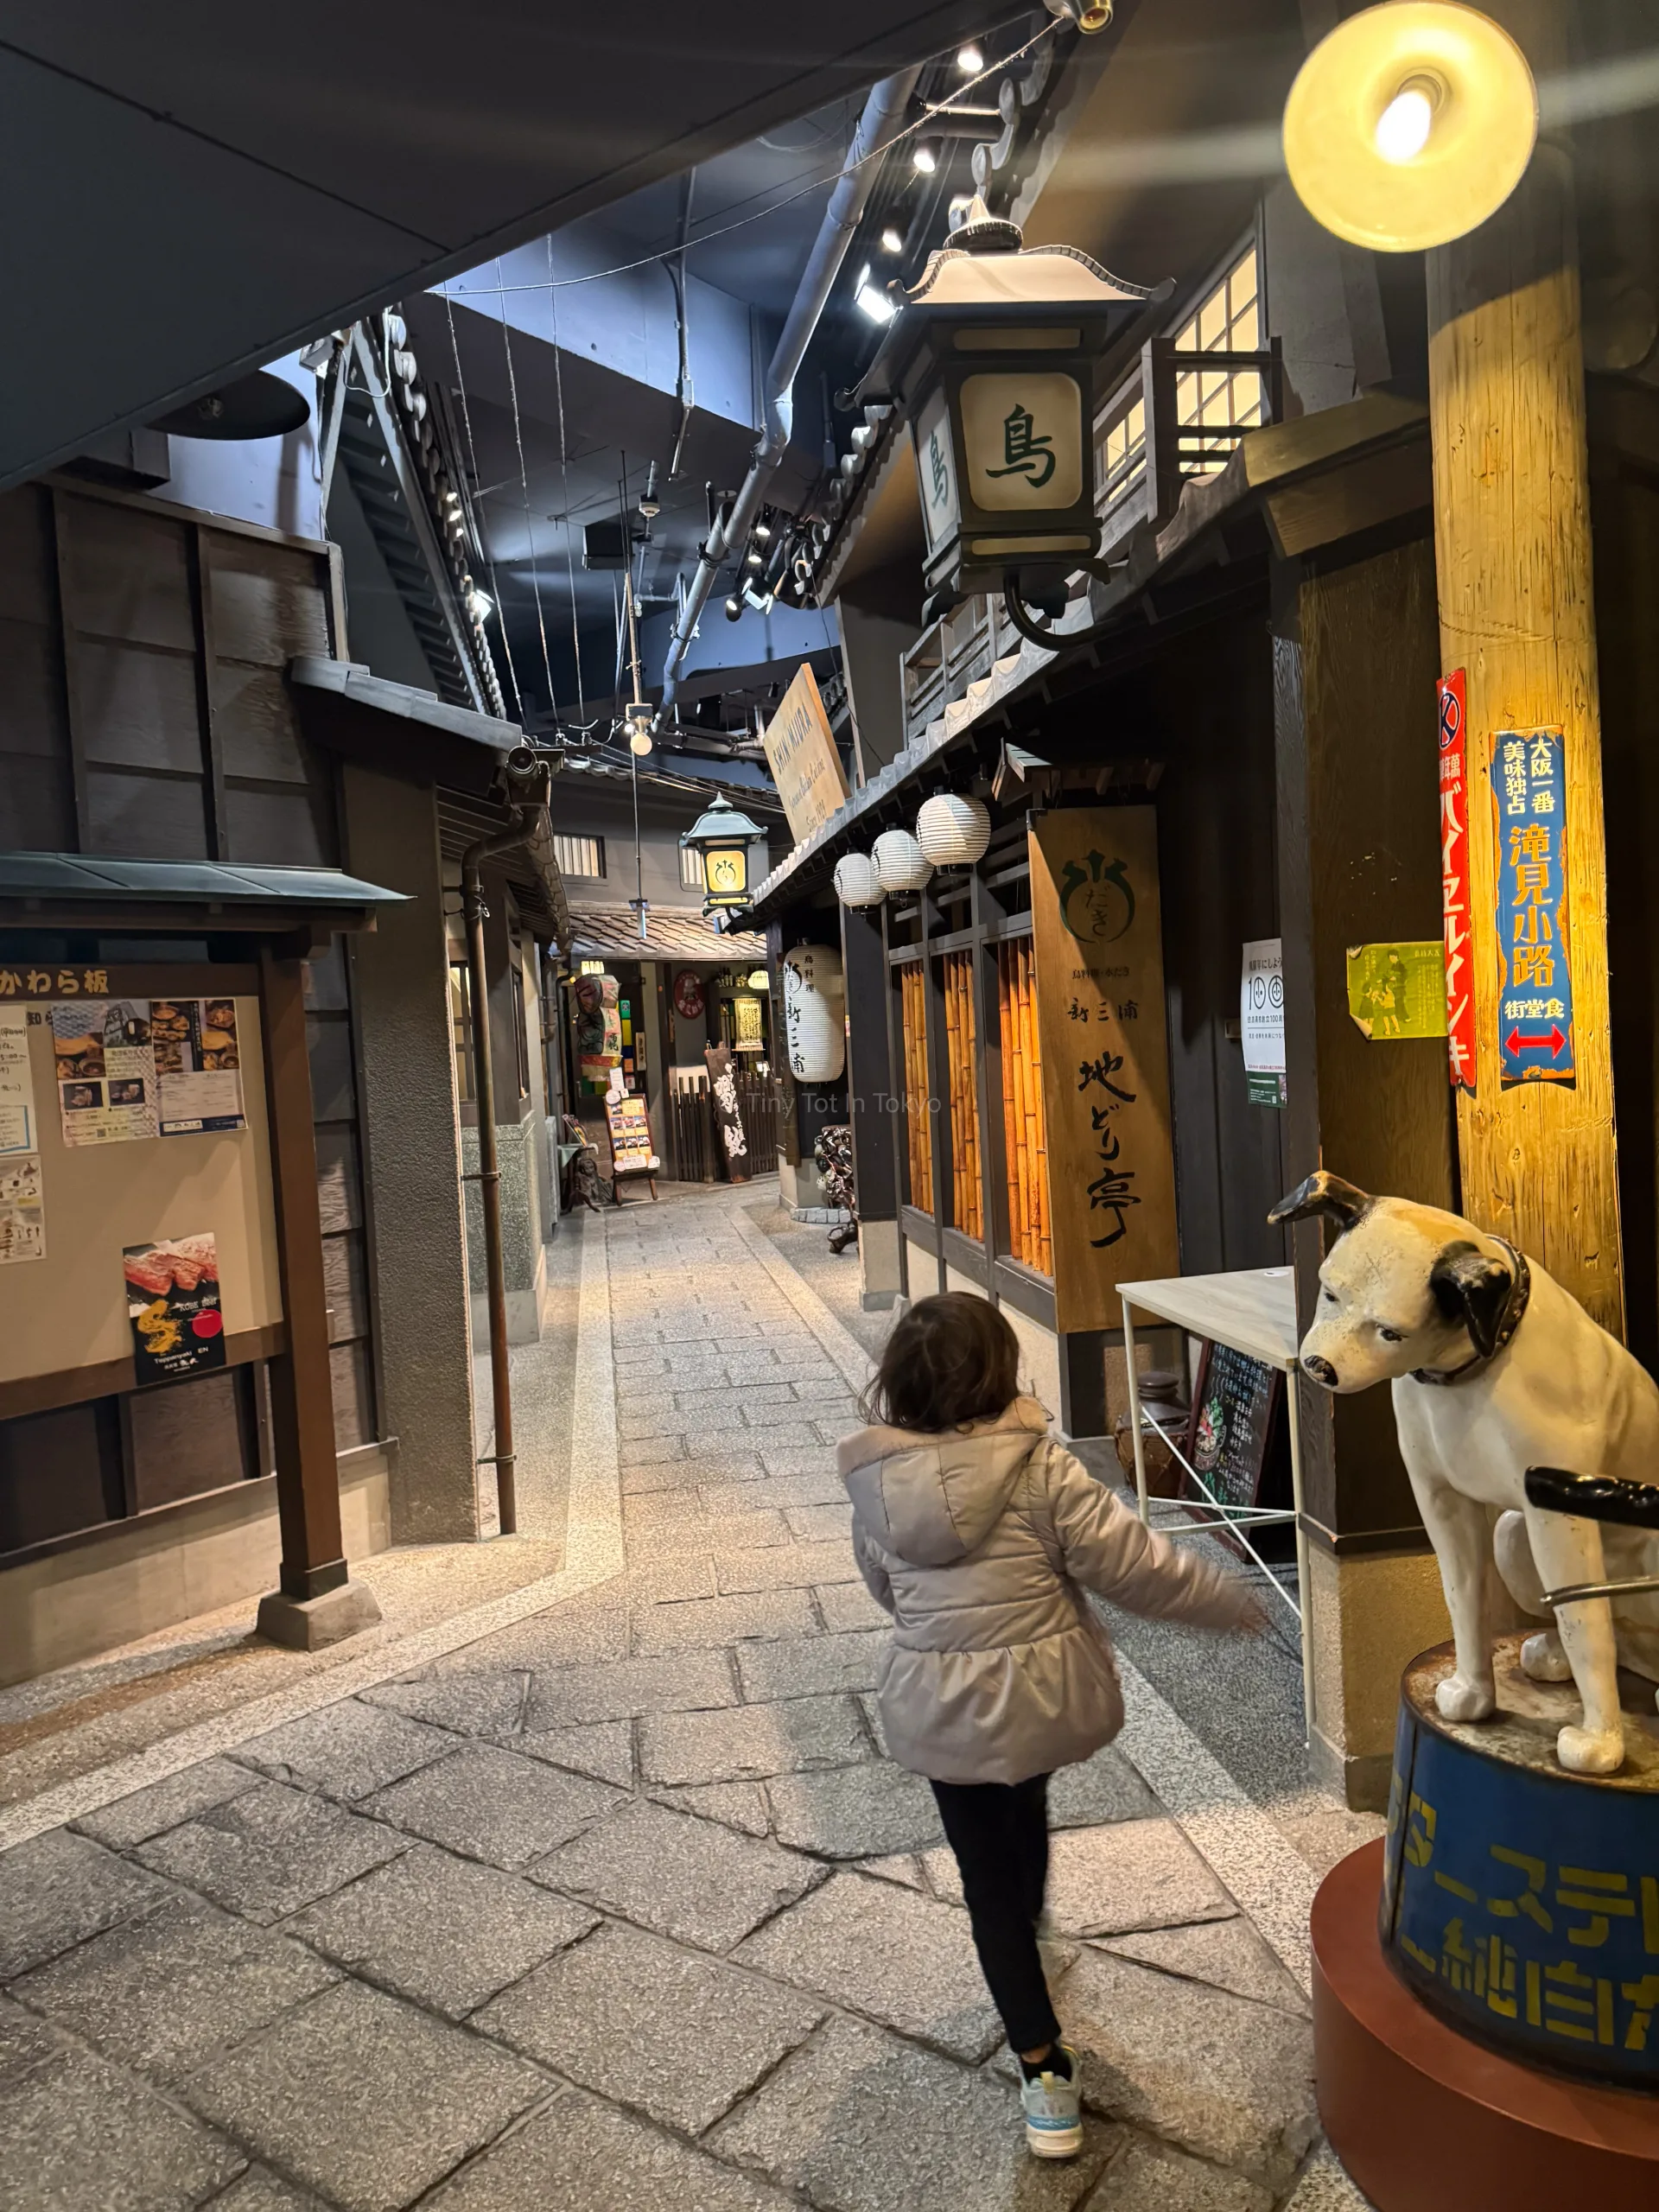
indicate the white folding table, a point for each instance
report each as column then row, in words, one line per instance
column 1252, row 1311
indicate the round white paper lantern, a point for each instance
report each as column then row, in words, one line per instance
column 857, row 883
column 952, row 830
column 815, row 1014
column 900, row 861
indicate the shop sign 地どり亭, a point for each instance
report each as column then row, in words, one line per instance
column 1097, row 935
column 1534, row 975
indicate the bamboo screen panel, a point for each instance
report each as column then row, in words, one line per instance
column 1024, row 1143
column 967, row 1192
column 912, row 986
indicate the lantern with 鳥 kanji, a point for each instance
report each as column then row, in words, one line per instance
column 996, row 360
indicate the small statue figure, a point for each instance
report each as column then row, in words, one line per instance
column 1496, row 1369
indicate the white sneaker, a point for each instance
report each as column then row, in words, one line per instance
column 1053, row 2117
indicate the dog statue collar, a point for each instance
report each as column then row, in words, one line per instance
column 1514, row 1307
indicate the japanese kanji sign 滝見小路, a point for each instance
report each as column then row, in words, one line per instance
column 1535, row 976
column 1450, row 699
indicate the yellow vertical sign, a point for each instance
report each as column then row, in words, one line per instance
column 1105, row 1045
column 801, row 754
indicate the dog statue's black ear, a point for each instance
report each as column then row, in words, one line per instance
column 1327, row 1194
column 1469, row 1287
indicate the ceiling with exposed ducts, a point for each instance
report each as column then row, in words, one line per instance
column 192, row 190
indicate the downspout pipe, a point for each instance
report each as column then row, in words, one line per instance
column 528, row 815
column 883, row 116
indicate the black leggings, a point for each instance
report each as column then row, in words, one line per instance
column 999, row 1832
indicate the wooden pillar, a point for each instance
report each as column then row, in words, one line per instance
column 317, row 1604
column 870, row 1103
column 1512, row 543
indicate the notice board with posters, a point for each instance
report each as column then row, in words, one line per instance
column 1097, row 933
column 150, row 1152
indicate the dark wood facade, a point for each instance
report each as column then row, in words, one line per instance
column 144, row 713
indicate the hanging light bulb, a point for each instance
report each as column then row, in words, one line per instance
column 762, row 533
column 639, row 740
column 892, row 239
column 1402, row 128
column 734, row 609
column 1410, row 124
column 970, row 60
column 924, row 157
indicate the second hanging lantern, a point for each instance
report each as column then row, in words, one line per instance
column 900, row 861
column 953, row 831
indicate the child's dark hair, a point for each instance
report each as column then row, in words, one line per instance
column 950, row 1360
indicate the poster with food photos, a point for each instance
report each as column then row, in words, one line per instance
column 198, row 1066
column 105, row 1069
column 173, row 1306
column 23, row 1211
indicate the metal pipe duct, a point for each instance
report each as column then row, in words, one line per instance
column 884, row 114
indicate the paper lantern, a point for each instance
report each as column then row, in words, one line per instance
column 900, row 861
column 953, row 831
column 815, row 1014
column 857, row 882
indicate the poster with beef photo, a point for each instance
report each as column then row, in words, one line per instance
column 198, row 1064
column 173, row 1306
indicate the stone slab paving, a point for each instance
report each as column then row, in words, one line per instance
column 619, row 1905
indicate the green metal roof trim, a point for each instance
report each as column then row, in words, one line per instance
column 85, row 876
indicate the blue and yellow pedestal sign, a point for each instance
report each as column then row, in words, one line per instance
column 1535, row 971
column 1519, row 1901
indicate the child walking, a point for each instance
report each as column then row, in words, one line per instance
column 980, row 1536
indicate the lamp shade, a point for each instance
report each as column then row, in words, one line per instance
column 953, row 831
column 900, row 861
column 1410, row 124
column 857, row 882
column 815, row 1014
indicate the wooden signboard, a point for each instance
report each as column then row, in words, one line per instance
column 801, row 754
column 1105, row 1053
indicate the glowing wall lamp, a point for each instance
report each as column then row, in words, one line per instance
column 1410, row 124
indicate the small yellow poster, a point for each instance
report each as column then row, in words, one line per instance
column 1397, row 990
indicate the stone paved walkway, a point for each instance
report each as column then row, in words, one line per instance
column 619, row 1907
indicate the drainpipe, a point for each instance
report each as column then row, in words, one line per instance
column 529, row 812
column 884, row 114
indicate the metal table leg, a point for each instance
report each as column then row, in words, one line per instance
column 1135, row 1414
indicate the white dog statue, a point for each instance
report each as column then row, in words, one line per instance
column 1496, row 1369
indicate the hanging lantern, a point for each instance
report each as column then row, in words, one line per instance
column 953, row 831
column 815, row 1014
column 996, row 361
column 900, row 861
column 730, row 846
column 858, row 883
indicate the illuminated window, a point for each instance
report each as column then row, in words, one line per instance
column 1224, row 401
column 1120, row 456
column 691, row 875
column 580, row 857
column 461, row 1028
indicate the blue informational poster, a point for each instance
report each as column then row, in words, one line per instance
column 1534, row 969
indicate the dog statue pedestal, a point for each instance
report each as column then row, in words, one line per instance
column 1486, row 1980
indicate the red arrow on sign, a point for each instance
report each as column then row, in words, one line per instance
column 1516, row 1043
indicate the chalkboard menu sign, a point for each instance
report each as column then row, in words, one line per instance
column 1231, row 1431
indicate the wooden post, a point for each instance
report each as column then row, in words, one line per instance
column 317, row 1603
column 1512, row 543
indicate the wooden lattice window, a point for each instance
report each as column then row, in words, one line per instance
column 1025, row 1144
column 919, row 1132
column 967, row 1192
